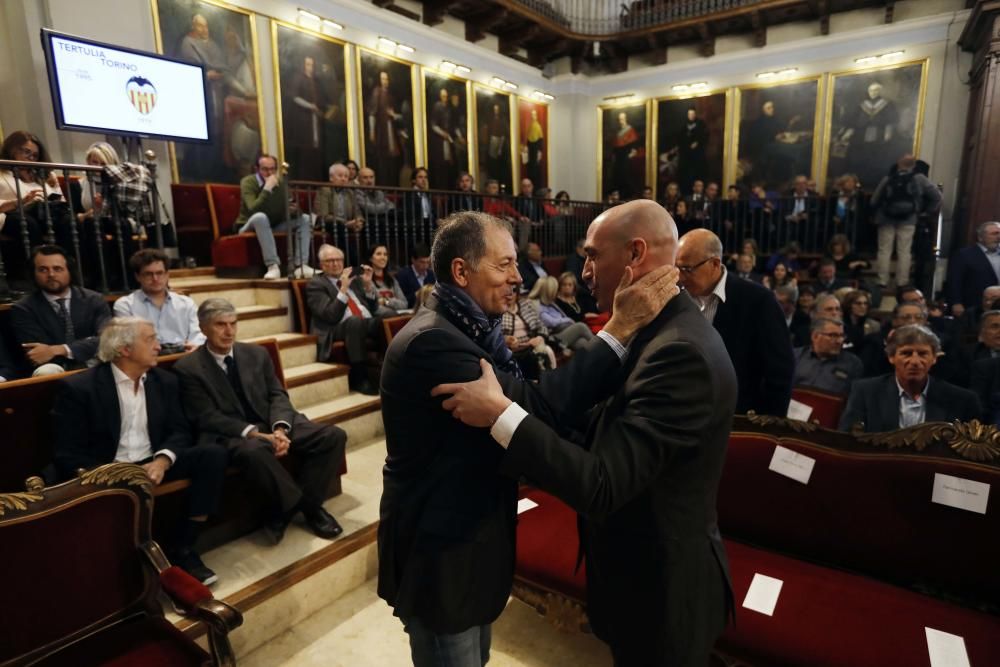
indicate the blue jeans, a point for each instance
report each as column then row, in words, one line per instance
column 469, row 648
column 259, row 224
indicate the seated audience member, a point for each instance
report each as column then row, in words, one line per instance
column 685, row 223
column 58, row 324
column 733, row 210
column 500, row 207
column 132, row 187
column 974, row 269
column 797, row 321
column 988, row 344
column 353, row 172
column 342, row 309
column 389, row 297
column 824, row 364
column 8, row 371
column 35, row 187
column 858, row 326
column 910, row 294
column 848, row 265
column 697, row 203
column 826, row 277
column 613, row 199
column 789, row 256
column 779, row 276
column 530, row 267
column 466, row 198
column 174, row 315
column 763, row 207
column 647, row 193
column 337, row 209
column 418, row 207
column 985, row 384
column 127, row 410
column 576, row 302
column 527, row 204
column 671, row 196
column 371, row 202
column 411, row 278
column 525, row 335
column 576, row 260
column 807, row 299
column 827, row 306
column 571, row 334
column 748, row 247
column 744, row 270
column 233, row 397
column 908, row 396
column 801, row 203
column 967, row 326
column 263, row 202
column 564, row 207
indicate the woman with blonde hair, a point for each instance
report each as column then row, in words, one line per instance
column 571, row 335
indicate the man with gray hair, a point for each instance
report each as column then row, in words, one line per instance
column 824, row 364
column 127, row 410
column 797, row 321
column 908, row 396
column 337, row 208
column 233, row 396
column 974, row 269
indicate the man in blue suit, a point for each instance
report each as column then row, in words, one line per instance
column 411, row 278
column 974, row 268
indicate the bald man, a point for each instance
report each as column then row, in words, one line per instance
column 748, row 318
column 645, row 481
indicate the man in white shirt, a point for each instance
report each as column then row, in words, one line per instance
column 127, row 410
column 175, row 316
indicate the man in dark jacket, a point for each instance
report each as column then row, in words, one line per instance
column 973, row 269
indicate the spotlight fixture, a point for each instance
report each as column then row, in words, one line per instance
column 327, row 23
column 690, row 87
column 308, row 16
column 876, row 58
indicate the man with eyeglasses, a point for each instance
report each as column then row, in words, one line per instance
column 824, row 364
column 749, row 320
column 175, row 316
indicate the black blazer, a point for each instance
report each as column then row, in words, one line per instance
column 447, row 517
column 8, row 371
column 34, row 320
column 407, row 279
column 413, row 209
column 87, row 419
column 465, row 201
column 753, row 328
column 326, row 310
column 875, row 401
column 646, row 481
column 213, row 407
column 528, row 275
column 969, row 273
column 985, row 384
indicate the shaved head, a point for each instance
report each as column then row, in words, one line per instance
column 699, row 259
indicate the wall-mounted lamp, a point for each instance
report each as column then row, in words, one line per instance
column 333, row 25
column 448, row 66
column 867, row 60
column 541, row 97
column 690, row 87
column 510, row 86
column 497, row 82
column 619, row 98
column 777, row 73
column 391, row 45
column 305, row 15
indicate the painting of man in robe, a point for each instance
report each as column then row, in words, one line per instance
column 623, row 149
column 533, row 123
column 220, row 39
column 387, row 118
column 777, row 135
column 690, row 141
column 310, row 71
column 446, row 129
column 493, row 138
column 874, row 119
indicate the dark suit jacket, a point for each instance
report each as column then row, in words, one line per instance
column 528, row 275
column 447, row 517
column 875, row 401
column 407, row 279
column 34, row 320
column 985, row 384
column 753, row 328
column 799, row 329
column 832, row 287
column 8, row 370
column 646, row 481
column 213, row 407
column 529, row 207
column 969, row 273
column 87, row 419
column 412, row 207
column 465, row 201
column 326, row 310
column 753, row 277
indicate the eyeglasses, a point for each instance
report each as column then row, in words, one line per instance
column 28, row 153
column 690, row 269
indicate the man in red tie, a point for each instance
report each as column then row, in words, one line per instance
column 342, row 309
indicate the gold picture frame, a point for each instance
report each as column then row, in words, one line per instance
column 649, row 165
column 477, row 89
column 469, row 121
column 727, row 132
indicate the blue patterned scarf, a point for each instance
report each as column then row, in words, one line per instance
column 459, row 308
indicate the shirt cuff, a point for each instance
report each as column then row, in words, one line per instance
column 169, row 454
column 247, row 430
column 614, row 343
column 508, row 421
column 342, row 297
column 69, row 352
column 275, row 425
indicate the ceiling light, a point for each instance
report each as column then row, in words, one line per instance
column 684, row 87
column 786, row 72
column 497, row 82
column 448, row 65
column 327, row 23
column 404, row 47
column 386, row 43
column 865, row 60
column 619, row 98
column 462, row 69
column 510, row 86
column 307, row 15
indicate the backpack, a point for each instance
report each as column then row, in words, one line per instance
column 901, row 196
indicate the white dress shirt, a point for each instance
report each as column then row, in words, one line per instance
column 134, row 444
column 709, row 303
column 912, row 411
column 347, row 298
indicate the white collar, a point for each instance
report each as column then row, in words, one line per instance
column 52, row 298
column 122, row 378
column 221, row 358
column 720, row 287
column 902, row 392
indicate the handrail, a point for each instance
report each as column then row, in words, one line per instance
column 54, row 166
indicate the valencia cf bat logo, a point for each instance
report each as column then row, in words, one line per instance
column 142, row 93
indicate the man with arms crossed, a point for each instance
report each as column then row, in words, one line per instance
column 646, row 478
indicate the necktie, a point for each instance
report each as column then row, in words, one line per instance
column 67, row 322
column 352, row 306
column 234, row 381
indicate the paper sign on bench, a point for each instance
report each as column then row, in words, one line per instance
column 792, row 464
column 798, row 410
column 525, row 504
column 762, row 596
column 946, row 649
column 965, row 494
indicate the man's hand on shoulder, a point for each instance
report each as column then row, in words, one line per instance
column 478, row 403
column 638, row 303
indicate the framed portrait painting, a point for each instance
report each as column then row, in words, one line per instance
column 533, row 141
column 874, row 117
column 387, row 103
column 690, row 140
column 309, row 79
column 622, row 150
column 446, row 128
column 494, row 138
column 777, row 134
column 223, row 39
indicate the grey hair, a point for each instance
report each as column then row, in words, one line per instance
column 790, row 291
column 912, row 334
column 903, row 304
column 820, row 322
column 118, row 334
column 823, row 298
column 462, row 235
column 988, row 315
column 214, row 308
column 981, row 229
column 326, row 249
column 335, row 165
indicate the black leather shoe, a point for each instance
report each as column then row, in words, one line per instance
column 363, row 386
column 274, row 530
column 323, row 524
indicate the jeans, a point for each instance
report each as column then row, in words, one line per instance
column 469, row 648
column 902, row 235
column 259, row 224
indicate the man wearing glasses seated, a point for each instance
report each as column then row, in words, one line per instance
column 823, row 364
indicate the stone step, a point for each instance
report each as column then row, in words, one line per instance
column 358, row 414
column 199, row 272
column 262, row 321
column 296, row 349
column 315, row 383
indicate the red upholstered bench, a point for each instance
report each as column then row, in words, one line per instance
column 193, row 219
column 554, row 266
column 827, row 407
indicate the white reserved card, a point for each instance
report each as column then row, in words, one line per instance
column 762, row 596
column 799, row 411
column 525, row 504
column 965, row 494
column 946, row 649
column 792, row 464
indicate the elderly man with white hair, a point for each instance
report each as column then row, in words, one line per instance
column 974, row 269
column 337, row 207
column 127, row 410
